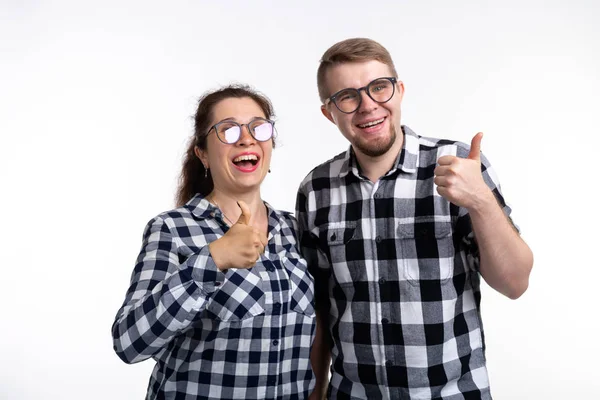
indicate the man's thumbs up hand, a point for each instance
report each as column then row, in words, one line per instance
column 459, row 180
column 475, row 152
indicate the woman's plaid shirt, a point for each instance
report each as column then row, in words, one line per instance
column 242, row 334
column 396, row 270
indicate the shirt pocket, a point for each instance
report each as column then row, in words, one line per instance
column 344, row 252
column 302, row 289
column 427, row 250
column 240, row 297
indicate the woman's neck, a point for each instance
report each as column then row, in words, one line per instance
column 229, row 207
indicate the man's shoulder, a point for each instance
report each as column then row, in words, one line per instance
column 431, row 148
column 432, row 143
column 426, row 142
column 328, row 169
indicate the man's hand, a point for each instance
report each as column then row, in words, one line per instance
column 459, row 180
column 505, row 259
column 241, row 246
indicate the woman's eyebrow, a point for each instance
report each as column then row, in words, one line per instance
column 234, row 119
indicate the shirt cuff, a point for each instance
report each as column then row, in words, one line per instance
column 205, row 272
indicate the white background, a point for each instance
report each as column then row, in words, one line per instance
column 96, row 100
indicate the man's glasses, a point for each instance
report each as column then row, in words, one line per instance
column 229, row 132
column 381, row 90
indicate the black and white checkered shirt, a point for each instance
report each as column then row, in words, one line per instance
column 242, row 334
column 396, row 269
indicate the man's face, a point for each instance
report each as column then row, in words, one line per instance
column 371, row 129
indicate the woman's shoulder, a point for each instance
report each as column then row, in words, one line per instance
column 283, row 215
column 287, row 222
column 194, row 209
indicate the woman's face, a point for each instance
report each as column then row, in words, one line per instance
column 240, row 167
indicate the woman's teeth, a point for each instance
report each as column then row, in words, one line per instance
column 246, row 159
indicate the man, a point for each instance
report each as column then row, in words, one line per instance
column 397, row 232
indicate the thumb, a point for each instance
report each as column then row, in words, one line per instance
column 245, row 216
column 474, row 154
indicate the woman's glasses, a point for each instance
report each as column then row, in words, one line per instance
column 229, row 132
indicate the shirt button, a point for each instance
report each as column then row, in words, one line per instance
column 271, row 269
column 217, row 283
column 378, row 239
column 389, row 363
column 277, row 306
column 381, row 281
column 385, row 321
column 275, row 342
column 377, row 196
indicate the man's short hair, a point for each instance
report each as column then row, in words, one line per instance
column 347, row 51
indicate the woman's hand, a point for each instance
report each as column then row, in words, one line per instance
column 241, row 246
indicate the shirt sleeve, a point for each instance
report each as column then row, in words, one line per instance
column 165, row 294
column 318, row 264
column 464, row 226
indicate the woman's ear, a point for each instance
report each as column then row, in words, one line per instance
column 201, row 154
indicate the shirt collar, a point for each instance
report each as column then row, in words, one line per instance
column 407, row 160
column 202, row 208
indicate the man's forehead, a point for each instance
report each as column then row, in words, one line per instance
column 355, row 74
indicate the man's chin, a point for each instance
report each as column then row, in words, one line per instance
column 375, row 148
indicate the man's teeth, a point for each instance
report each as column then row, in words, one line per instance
column 372, row 123
column 246, row 157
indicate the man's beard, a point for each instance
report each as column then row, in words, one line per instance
column 376, row 148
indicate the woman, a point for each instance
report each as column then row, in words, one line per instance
column 220, row 296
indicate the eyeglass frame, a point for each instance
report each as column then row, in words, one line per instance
column 331, row 99
column 241, row 126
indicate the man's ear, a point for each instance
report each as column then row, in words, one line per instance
column 326, row 113
column 400, row 89
column 201, row 154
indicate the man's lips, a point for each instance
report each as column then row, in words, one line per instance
column 372, row 126
column 370, row 123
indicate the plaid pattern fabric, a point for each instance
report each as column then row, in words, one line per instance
column 242, row 334
column 396, row 269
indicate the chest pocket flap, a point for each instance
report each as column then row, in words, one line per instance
column 427, row 249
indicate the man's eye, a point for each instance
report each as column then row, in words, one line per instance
column 346, row 96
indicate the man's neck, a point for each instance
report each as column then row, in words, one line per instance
column 375, row 167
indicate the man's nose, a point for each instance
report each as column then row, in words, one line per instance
column 367, row 104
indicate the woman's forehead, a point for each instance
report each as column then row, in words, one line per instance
column 242, row 109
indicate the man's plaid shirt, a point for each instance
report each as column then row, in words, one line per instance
column 396, row 270
column 242, row 334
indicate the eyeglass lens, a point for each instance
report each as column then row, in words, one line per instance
column 380, row 90
column 230, row 132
